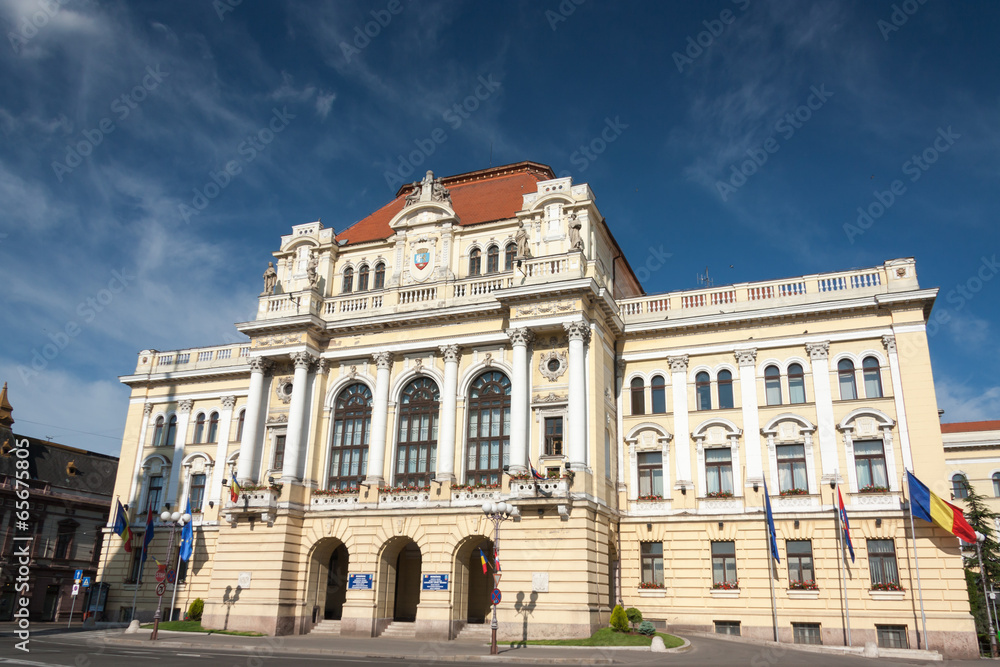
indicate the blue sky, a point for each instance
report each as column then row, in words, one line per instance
column 115, row 117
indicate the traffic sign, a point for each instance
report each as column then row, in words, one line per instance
column 495, row 596
column 161, row 574
column 76, row 589
column 78, row 574
column 86, row 582
column 171, row 575
column 161, row 588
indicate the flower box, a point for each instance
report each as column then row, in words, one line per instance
column 803, row 586
column 652, row 592
column 892, row 586
column 802, row 594
column 719, row 494
column 887, row 595
column 650, row 497
column 873, row 488
column 795, row 492
column 727, row 586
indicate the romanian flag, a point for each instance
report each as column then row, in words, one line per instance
column 121, row 527
column 927, row 506
column 147, row 536
column 535, row 473
column 482, row 558
column 235, row 490
column 845, row 526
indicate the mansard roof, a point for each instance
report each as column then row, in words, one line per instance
column 477, row 197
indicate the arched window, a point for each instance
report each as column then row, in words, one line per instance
column 352, row 419
column 996, row 484
column 416, row 448
column 873, row 377
column 348, row 285
column 171, row 432
column 380, row 276
column 492, row 259
column 508, row 256
column 959, row 486
column 213, row 427
column 488, row 447
column 725, row 389
column 239, row 425
column 363, row 278
column 845, row 371
column 475, row 262
column 659, row 394
column 772, row 385
column 796, row 384
column 638, row 397
column 158, row 432
column 199, row 427
column 703, row 391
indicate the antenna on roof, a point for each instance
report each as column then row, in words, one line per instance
column 705, row 280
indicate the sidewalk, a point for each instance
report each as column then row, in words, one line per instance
column 451, row 651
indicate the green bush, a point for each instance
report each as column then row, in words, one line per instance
column 634, row 616
column 195, row 610
column 647, row 628
column 619, row 621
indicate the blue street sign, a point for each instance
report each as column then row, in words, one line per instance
column 435, row 582
column 360, row 582
column 78, row 574
column 86, row 582
column 495, row 596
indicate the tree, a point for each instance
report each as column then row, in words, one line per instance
column 634, row 616
column 982, row 521
column 619, row 621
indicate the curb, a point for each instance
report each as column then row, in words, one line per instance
column 855, row 651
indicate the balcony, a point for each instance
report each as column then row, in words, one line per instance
column 251, row 505
column 539, row 489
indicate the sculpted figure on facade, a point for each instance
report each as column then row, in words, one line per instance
column 575, row 240
column 429, row 189
column 311, row 269
column 521, row 239
column 270, row 279
column 414, row 195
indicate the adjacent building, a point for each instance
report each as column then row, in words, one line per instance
column 484, row 330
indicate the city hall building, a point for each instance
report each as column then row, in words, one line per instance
column 425, row 360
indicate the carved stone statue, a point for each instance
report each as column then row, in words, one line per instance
column 414, row 195
column 270, row 279
column 521, row 239
column 311, row 269
column 575, row 241
column 439, row 192
column 429, row 189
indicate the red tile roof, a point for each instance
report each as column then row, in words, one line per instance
column 478, row 196
column 969, row 427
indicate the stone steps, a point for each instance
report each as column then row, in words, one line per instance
column 400, row 630
column 326, row 627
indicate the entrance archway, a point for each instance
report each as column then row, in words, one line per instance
column 398, row 582
column 472, row 587
column 328, row 567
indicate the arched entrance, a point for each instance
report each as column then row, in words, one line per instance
column 472, row 586
column 328, row 566
column 398, row 582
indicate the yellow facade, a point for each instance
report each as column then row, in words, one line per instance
column 497, row 328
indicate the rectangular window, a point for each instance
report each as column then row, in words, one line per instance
column 650, row 468
column 155, row 493
column 553, row 436
column 638, row 397
column 724, row 565
column 197, row 494
column 869, row 461
column 719, row 470
column 727, row 628
column 659, row 395
column 806, row 633
column 652, row 563
column 892, row 636
column 64, row 543
column 279, row 452
column 791, row 468
column 800, row 564
column 135, row 566
column 882, row 565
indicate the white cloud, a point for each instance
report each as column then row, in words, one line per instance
column 964, row 403
column 323, row 103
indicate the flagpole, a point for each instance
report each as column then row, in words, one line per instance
column 104, row 570
column 841, row 563
column 770, row 557
column 177, row 581
column 138, row 576
column 916, row 561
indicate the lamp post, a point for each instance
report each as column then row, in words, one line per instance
column 497, row 513
column 175, row 520
column 986, row 598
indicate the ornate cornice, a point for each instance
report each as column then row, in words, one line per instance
column 818, row 351
column 451, row 353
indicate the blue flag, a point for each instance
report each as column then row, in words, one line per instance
column 845, row 525
column 187, row 537
column 772, row 538
column 148, row 535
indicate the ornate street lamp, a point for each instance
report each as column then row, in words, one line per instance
column 497, row 513
column 176, row 520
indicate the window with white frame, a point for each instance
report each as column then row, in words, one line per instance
column 719, row 471
column 213, row 427
column 650, row 472
column 796, row 384
column 792, row 476
column 845, row 377
column 725, row 389
column 873, row 377
column 658, row 391
column 959, row 486
column 869, row 463
column 772, row 385
column 199, row 427
column 638, row 394
column 996, row 484
column 703, row 391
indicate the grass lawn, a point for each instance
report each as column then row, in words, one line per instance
column 195, row 626
column 609, row 637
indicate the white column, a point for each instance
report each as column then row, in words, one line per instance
column 579, row 334
column 250, row 445
column 380, row 419
column 519, row 340
column 222, row 450
column 747, row 360
column 182, row 503
column 296, row 417
column 682, row 435
column 147, row 410
column 825, row 427
column 620, row 435
column 897, row 393
column 449, row 411
column 183, row 416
